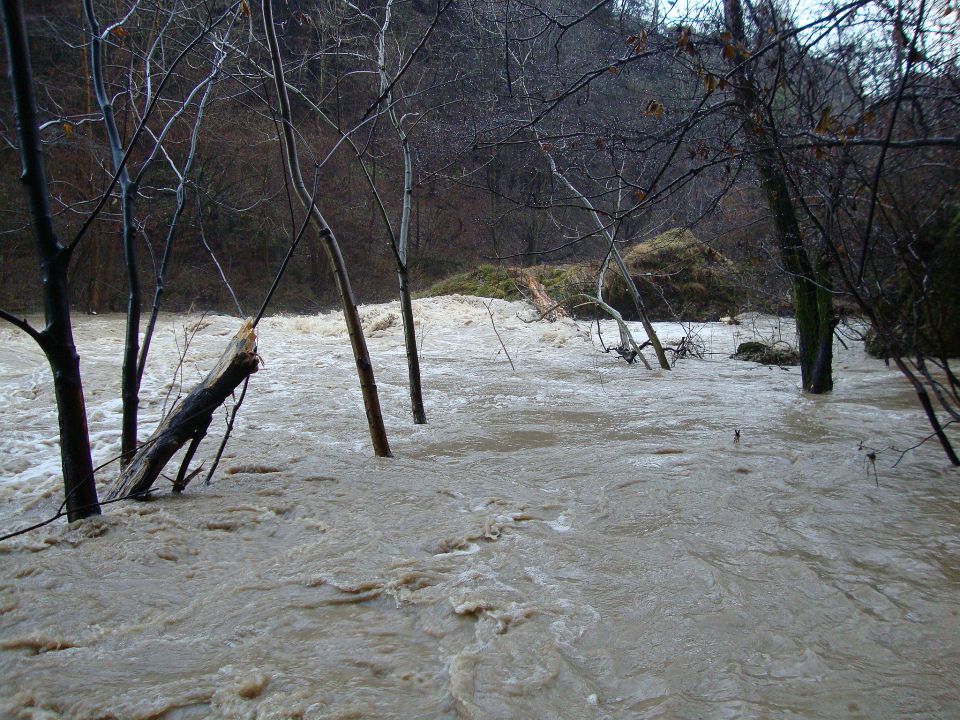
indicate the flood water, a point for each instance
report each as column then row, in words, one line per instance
column 572, row 538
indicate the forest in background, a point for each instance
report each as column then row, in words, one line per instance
column 480, row 192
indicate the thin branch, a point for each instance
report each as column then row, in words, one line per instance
column 23, row 325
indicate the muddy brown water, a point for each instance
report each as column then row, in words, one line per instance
column 572, row 539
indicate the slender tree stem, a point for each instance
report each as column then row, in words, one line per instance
column 368, row 385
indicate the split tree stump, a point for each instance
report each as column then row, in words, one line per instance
column 190, row 417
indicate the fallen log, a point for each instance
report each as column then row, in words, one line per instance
column 190, row 417
column 547, row 308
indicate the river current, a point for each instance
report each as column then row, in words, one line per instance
column 570, row 537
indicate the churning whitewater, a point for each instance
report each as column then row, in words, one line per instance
column 570, row 537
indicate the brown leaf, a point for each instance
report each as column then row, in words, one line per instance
column 600, row 144
column 641, row 42
column 823, row 125
column 118, row 32
column 654, row 108
column 640, row 195
column 244, row 8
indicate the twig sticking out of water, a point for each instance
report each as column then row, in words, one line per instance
column 901, row 453
column 490, row 313
column 226, row 435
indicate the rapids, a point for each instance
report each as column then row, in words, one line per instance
column 574, row 538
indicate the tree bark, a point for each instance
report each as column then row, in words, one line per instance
column 813, row 302
column 410, row 342
column 544, row 304
column 56, row 339
column 189, row 419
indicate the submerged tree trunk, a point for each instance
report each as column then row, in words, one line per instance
column 56, row 339
column 410, row 342
column 368, row 385
column 813, row 301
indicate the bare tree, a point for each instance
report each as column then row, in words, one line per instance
column 400, row 241
column 368, row 386
column 157, row 75
column 56, row 338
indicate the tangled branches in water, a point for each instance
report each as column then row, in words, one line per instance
column 690, row 345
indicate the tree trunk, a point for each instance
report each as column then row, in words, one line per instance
column 129, row 379
column 401, row 243
column 56, row 339
column 189, row 419
column 813, row 302
column 640, row 308
column 545, row 305
column 410, row 342
column 75, row 457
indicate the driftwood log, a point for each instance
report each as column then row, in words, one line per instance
column 190, row 417
column 547, row 308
